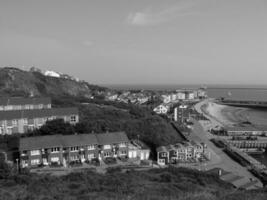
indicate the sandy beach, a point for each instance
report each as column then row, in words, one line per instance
column 225, row 116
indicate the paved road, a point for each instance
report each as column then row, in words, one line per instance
column 218, row 157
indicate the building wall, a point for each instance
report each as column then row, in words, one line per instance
column 8, row 126
column 24, row 107
column 65, row 155
column 163, row 156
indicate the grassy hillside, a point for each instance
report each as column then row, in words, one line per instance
column 170, row 183
column 16, row 82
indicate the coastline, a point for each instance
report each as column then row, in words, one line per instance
column 229, row 116
column 216, row 115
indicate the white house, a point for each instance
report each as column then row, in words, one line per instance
column 52, row 74
column 161, row 109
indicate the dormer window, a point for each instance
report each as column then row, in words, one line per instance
column 55, row 150
column 73, row 149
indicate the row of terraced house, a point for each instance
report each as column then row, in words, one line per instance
column 63, row 149
column 180, row 152
column 19, row 115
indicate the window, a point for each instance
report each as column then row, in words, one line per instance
column 9, row 130
column 35, row 162
column 107, row 146
column 75, row 157
column 122, row 144
column 91, row 147
column 14, row 122
column 25, row 121
column 35, row 152
column 162, row 161
column 40, row 106
column 175, row 153
column 27, row 107
column 54, row 159
column 107, row 154
column 164, row 154
column 73, row 118
column 74, row 149
column 91, row 156
column 55, row 150
column 123, row 152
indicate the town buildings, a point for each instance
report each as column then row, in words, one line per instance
column 63, row 149
column 20, row 115
column 180, row 152
column 181, row 113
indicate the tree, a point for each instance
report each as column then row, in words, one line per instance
column 57, row 126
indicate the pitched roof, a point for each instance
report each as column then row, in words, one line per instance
column 23, row 101
column 161, row 149
column 36, row 113
column 49, row 141
column 79, row 140
column 111, row 138
column 40, row 142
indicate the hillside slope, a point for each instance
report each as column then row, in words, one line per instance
column 16, row 82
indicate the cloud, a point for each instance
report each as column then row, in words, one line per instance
column 149, row 18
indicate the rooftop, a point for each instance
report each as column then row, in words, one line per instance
column 36, row 113
column 50, row 141
column 24, row 101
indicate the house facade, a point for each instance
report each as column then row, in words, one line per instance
column 19, row 114
column 180, row 152
column 181, row 113
column 21, row 103
column 63, row 149
column 21, row 121
column 138, row 149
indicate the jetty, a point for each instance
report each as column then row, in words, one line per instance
column 243, row 103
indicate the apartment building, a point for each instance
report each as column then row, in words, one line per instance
column 19, row 114
column 21, row 121
column 62, row 149
column 21, row 103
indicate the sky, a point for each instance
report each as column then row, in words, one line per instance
column 140, row 41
